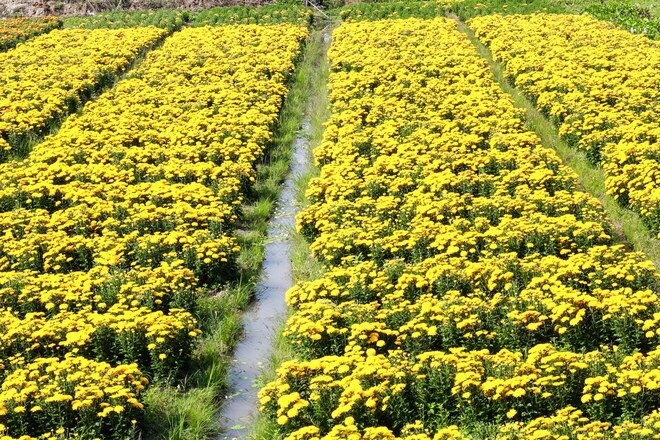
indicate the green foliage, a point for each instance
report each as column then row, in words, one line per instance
column 389, row 10
column 333, row 4
column 471, row 8
column 634, row 17
column 175, row 415
column 271, row 14
column 166, row 19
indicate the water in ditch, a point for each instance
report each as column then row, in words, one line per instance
column 262, row 319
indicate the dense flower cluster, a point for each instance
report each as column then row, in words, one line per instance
column 16, row 30
column 470, row 289
column 50, row 76
column 601, row 86
column 112, row 226
column 43, row 393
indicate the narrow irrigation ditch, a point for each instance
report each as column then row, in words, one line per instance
column 260, row 321
column 263, row 319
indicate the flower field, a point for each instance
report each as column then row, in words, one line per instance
column 17, row 30
column 49, row 77
column 602, row 88
column 470, row 290
column 452, row 277
column 113, row 227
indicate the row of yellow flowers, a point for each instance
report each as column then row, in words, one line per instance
column 112, row 227
column 16, row 30
column 470, row 289
column 49, row 77
column 600, row 84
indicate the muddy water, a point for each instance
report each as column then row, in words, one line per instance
column 269, row 308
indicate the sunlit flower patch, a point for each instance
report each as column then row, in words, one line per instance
column 113, row 227
column 470, row 290
column 49, row 77
column 600, row 84
column 17, row 30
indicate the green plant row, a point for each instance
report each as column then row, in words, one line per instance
column 271, row 14
column 167, row 19
column 174, row 19
column 390, row 10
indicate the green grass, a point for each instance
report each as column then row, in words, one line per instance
column 181, row 416
column 190, row 410
column 304, row 266
column 627, row 225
